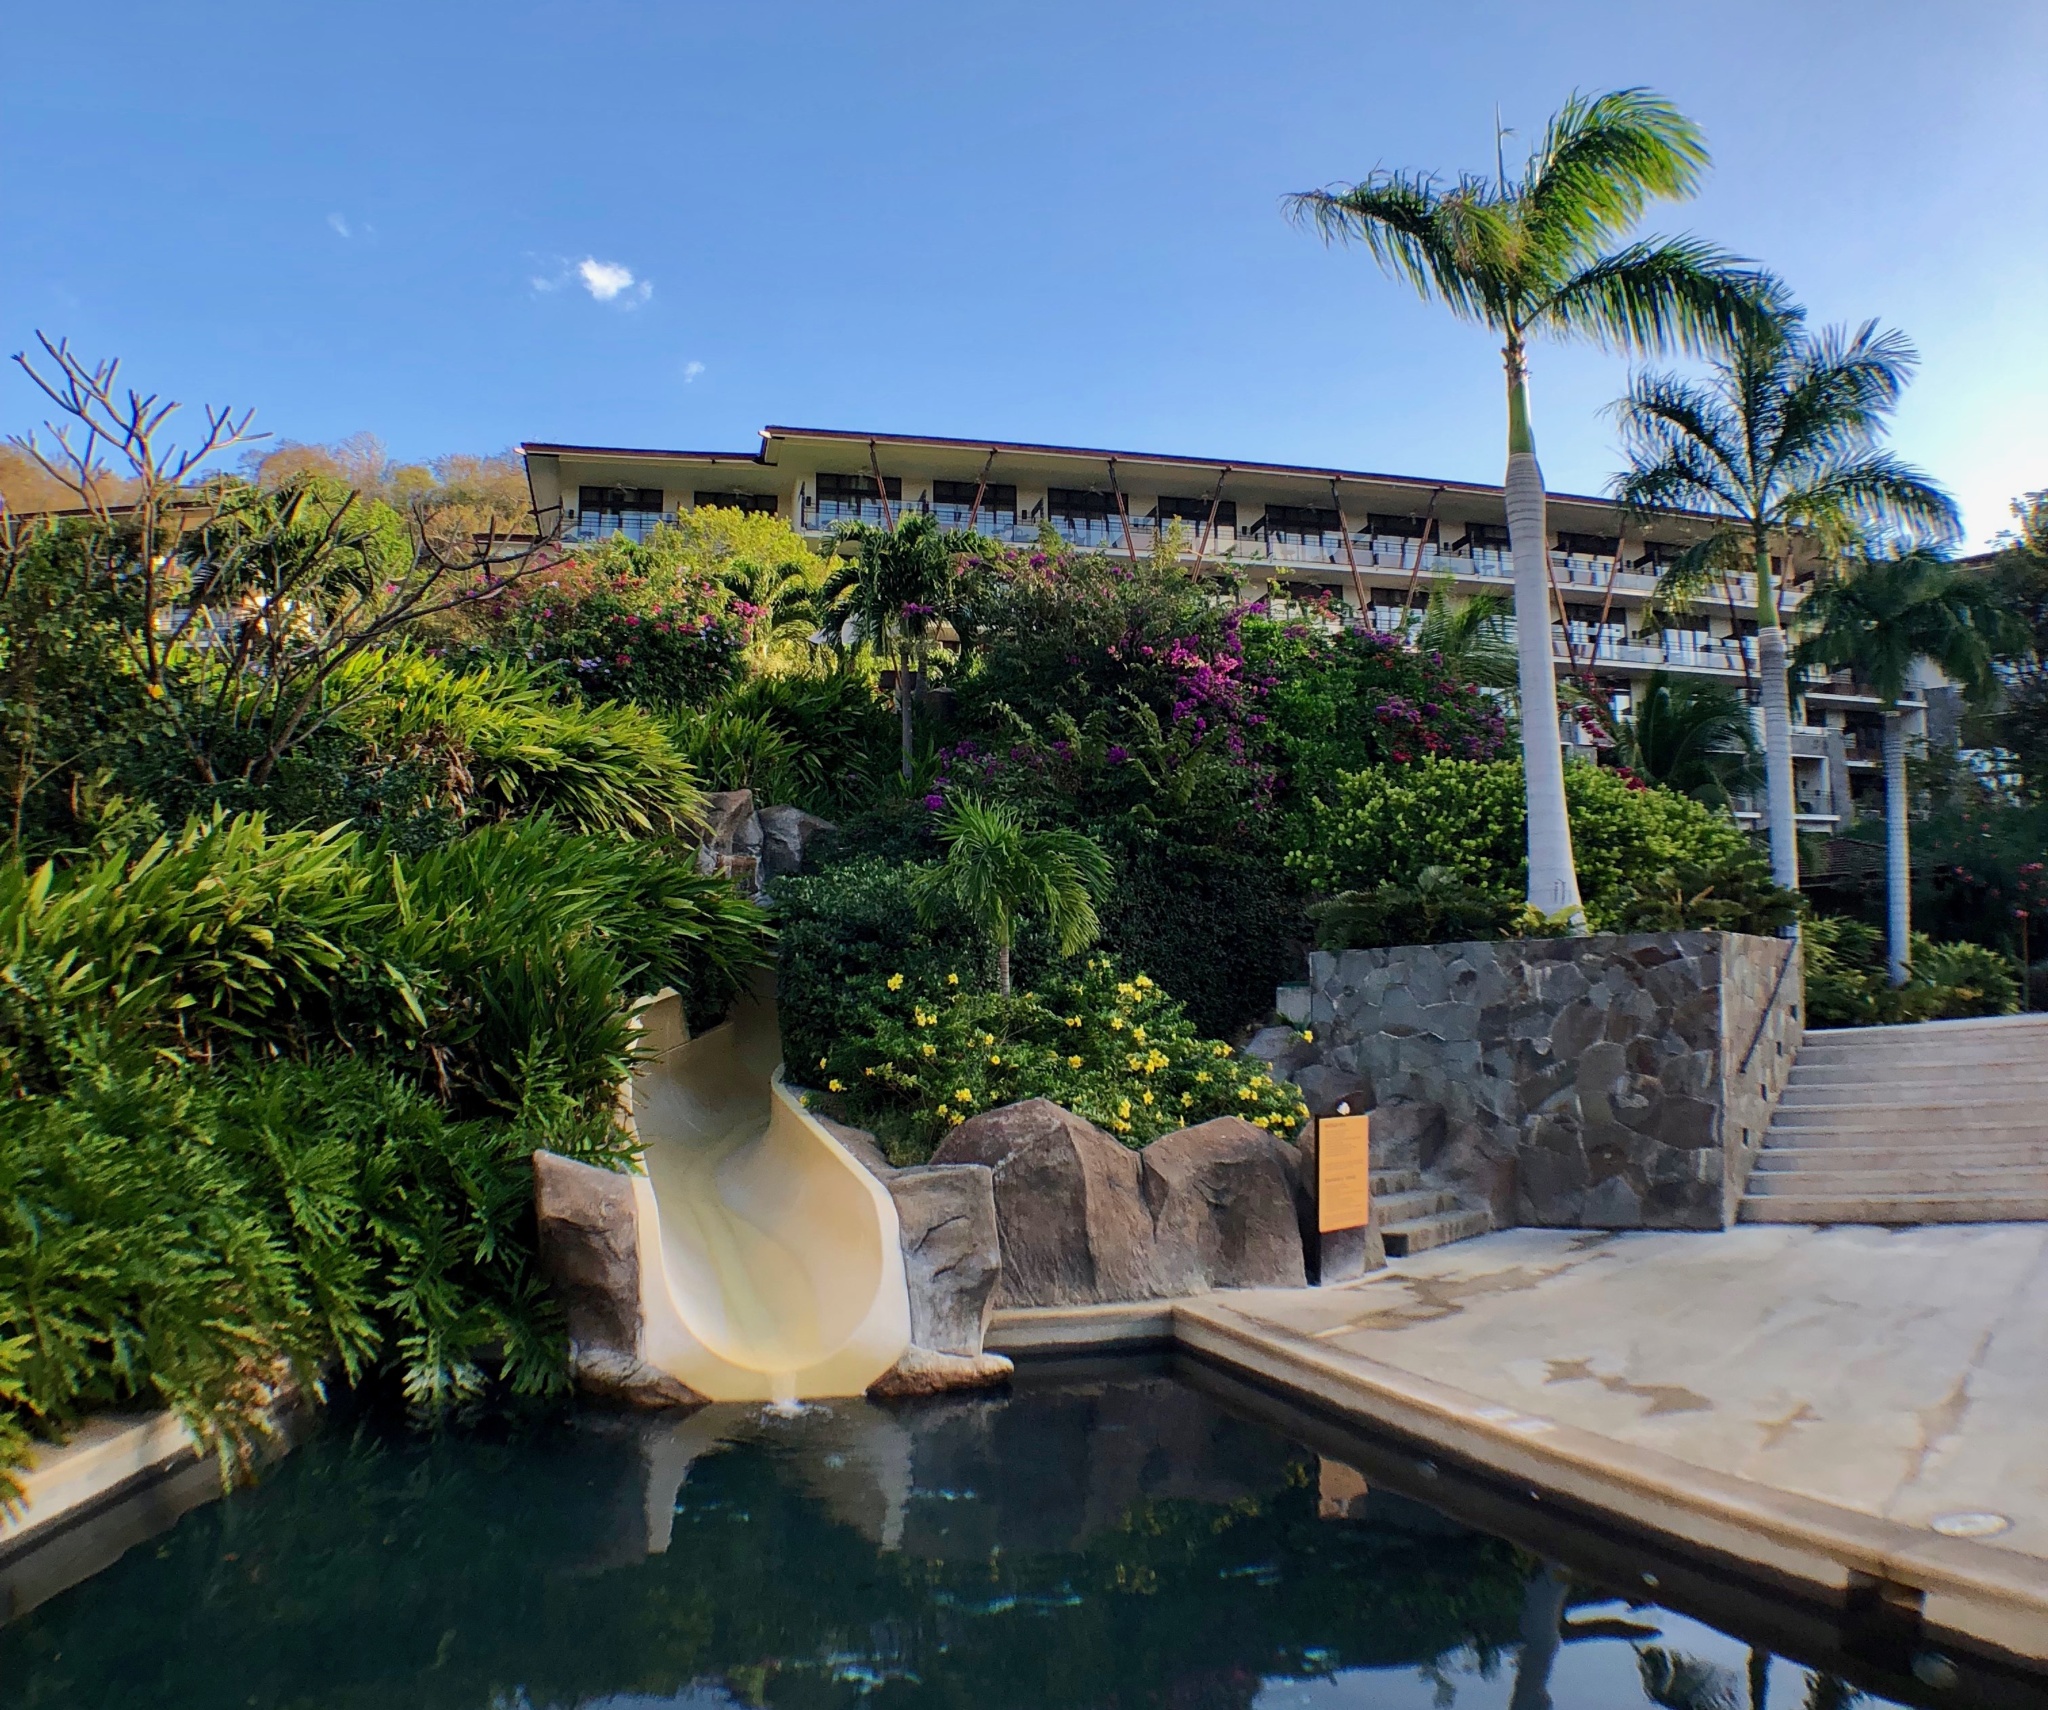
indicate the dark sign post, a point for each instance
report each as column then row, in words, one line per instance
column 1343, row 1196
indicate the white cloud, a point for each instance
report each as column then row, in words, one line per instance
column 691, row 370
column 543, row 284
column 609, row 281
column 339, row 224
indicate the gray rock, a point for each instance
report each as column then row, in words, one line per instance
column 1291, row 1004
column 1071, row 1219
column 1324, row 1086
column 952, row 1254
column 732, row 832
column 1223, row 1200
column 1283, row 1048
column 786, row 837
column 922, row 1371
column 589, row 1251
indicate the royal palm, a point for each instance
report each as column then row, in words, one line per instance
column 1782, row 441
column 1879, row 620
column 1543, row 255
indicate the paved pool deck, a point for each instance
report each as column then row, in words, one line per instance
column 1861, row 1411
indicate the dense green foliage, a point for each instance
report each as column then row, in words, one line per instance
column 1388, row 827
column 822, row 741
column 1119, row 1052
column 1846, row 984
column 268, row 1098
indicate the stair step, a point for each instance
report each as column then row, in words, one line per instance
column 1952, row 1113
column 1386, row 1182
column 2004, row 1088
column 1895, row 1209
column 1783, row 1160
column 1404, row 1240
column 1416, row 1203
column 1852, row 1184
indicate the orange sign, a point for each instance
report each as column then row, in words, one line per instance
column 1343, row 1173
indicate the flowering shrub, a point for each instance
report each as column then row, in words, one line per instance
column 1119, row 1052
column 1388, row 825
column 1357, row 699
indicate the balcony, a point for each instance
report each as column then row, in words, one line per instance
column 1667, row 653
column 602, row 525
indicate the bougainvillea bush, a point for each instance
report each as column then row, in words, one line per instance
column 1388, row 825
column 619, row 633
column 1115, row 1050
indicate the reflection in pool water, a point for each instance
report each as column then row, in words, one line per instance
column 1106, row 1536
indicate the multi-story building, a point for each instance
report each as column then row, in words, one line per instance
column 1374, row 544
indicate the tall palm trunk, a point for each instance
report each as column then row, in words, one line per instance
column 1542, row 1630
column 1780, row 808
column 1553, row 876
column 1003, row 969
column 1898, row 873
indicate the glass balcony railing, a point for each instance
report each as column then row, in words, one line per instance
column 602, row 525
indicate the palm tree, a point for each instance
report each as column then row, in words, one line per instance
column 1691, row 736
column 1471, row 639
column 1880, row 619
column 1542, row 254
column 1780, row 441
column 895, row 590
column 779, row 602
column 995, row 871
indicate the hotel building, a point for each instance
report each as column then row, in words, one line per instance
column 1374, row 543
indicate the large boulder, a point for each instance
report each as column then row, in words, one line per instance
column 786, row 837
column 1283, row 1049
column 732, row 831
column 1224, row 1202
column 952, row 1253
column 1070, row 1212
column 589, row 1249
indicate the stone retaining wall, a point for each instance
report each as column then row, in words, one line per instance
column 1612, row 1082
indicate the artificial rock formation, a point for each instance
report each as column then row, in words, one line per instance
column 1071, row 1214
column 589, row 1241
column 1223, row 1197
column 1083, row 1219
column 786, row 836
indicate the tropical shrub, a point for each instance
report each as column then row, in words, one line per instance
column 1341, row 703
column 514, row 945
column 1847, row 984
column 1387, row 826
column 1117, row 1051
column 170, row 1238
column 825, row 742
column 1438, row 908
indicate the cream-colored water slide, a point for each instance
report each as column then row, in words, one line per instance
column 778, row 1275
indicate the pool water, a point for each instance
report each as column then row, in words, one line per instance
column 1103, row 1535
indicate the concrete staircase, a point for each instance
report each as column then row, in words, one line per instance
column 1944, row 1122
column 1412, row 1216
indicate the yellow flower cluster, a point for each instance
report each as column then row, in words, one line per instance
column 894, row 982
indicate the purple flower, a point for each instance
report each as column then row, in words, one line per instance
column 935, row 802
column 1116, row 755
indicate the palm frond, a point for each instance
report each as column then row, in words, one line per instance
column 1438, row 241
column 1680, row 293
column 1602, row 159
column 1876, row 492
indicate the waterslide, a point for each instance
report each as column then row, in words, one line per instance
column 778, row 1275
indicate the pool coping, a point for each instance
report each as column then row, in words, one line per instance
column 1989, row 1597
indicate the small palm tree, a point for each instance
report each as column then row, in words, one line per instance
column 1691, row 736
column 1880, row 619
column 780, row 603
column 996, row 872
column 1542, row 255
column 896, row 590
column 1780, row 440
column 1471, row 639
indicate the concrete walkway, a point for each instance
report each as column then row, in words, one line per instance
column 1902, row 1375
column 1827, row 1404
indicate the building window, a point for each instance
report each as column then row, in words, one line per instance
column 1483, row 537
column 953, row 504
column 754, row 504
column 1085, row 518
column 1195, row 514
column 854, row 498
column 1588, row 545
column 603, row 512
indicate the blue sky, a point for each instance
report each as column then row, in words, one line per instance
column 1050, row 221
